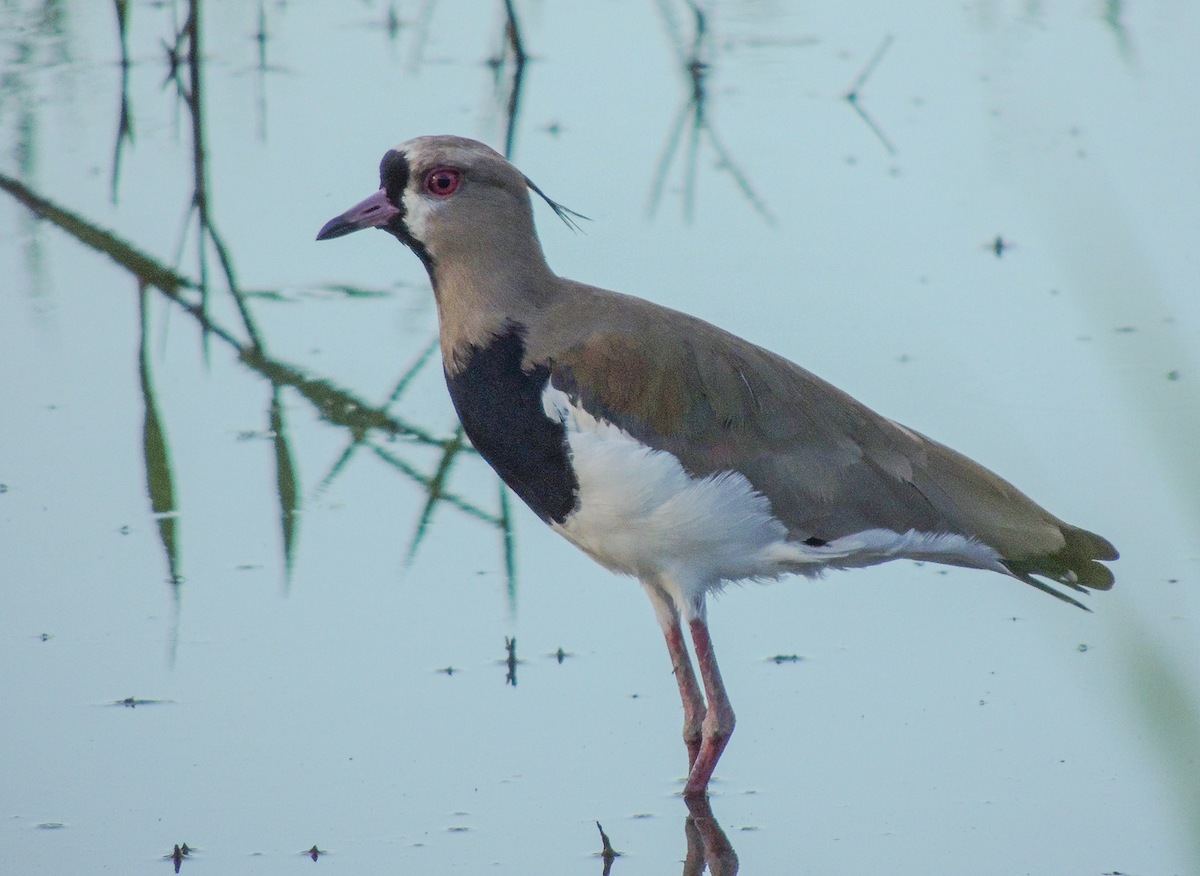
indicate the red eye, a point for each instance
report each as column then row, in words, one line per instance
column 443, row 181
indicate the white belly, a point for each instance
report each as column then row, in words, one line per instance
column 639, row 513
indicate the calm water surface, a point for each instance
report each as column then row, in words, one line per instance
column 991, row 242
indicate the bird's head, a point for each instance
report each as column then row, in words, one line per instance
column 453, row 201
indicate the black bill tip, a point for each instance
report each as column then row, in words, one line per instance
column 336, row 227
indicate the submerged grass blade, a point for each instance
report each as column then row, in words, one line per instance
column 412, row 371
column 410, row 472
column 356, row 440
column 335, row 405
column 510, row 554
column 285, row 479
column 512, row 36
column 125, row 118
column 159, row 482
column 338, row 466
column 435, row 488
column 146, row 269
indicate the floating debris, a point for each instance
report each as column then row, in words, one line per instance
column 178, row 854
column 607, row 852
column 510, row 645
column 133, row 702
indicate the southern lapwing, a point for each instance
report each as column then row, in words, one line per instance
column 670, row 450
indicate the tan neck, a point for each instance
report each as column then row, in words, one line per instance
column 479, row 297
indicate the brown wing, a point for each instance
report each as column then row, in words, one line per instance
column 829, row 465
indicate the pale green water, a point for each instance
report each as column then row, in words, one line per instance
column 943, row 721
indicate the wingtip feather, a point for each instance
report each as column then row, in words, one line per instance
column 1076, row 565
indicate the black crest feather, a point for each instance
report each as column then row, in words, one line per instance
column 567, row 215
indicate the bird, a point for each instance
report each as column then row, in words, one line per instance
column 670, row 450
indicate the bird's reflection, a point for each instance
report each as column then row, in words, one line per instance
column 707, row 845
column 706, row 842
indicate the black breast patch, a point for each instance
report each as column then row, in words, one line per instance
column 500, row 406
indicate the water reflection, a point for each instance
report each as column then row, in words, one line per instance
column 261, row 68
column 1113, row 10
column 693, row 57
column 707, row 846
column 184, row 70
column 159, row 482
column 183, row 60
column 853, row 96
column 125, row 113
column 36, row 39
column 338, row 407
column 508, row 74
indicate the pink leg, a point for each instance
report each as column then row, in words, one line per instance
column 718, row 721
column 689, row 691
column 681, row 664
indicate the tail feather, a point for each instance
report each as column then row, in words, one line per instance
column 1074, row 565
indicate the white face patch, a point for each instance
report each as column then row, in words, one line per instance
column 418, row 210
